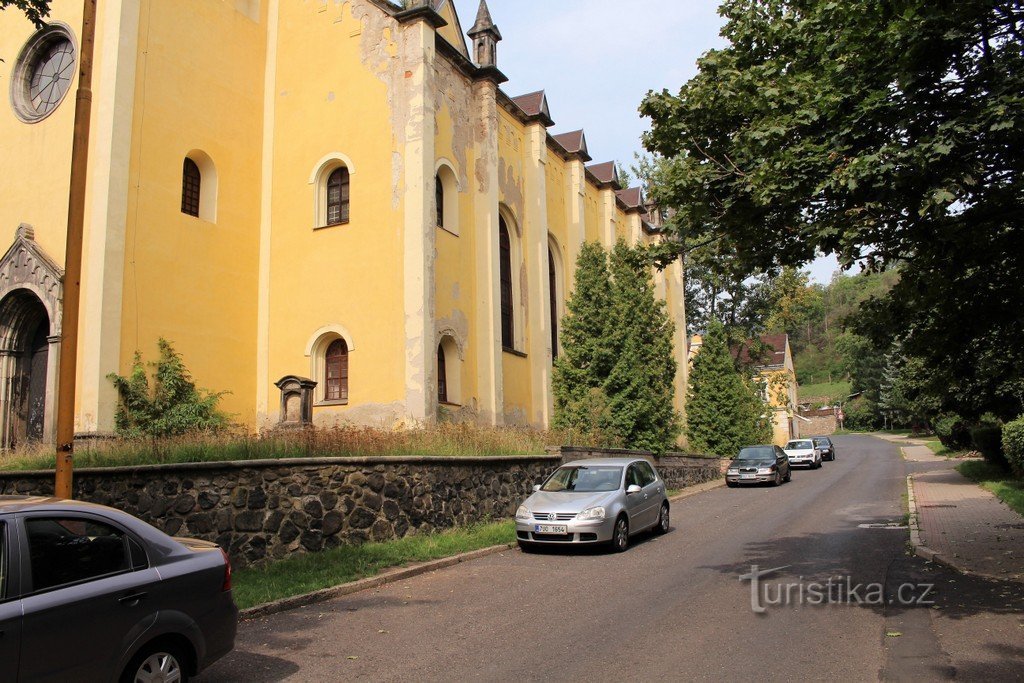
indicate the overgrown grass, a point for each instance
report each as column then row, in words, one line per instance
column 831, row 392
column 455, row 440
column 305, row 573
column 941, row 450
column 1004, row 485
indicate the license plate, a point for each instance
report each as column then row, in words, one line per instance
column 549, row 529
column 748, row 476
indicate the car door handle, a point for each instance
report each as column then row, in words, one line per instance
column 132, row 600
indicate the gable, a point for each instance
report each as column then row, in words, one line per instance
column 452, row 32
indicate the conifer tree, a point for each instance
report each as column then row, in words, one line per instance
column 586, row 359
column 640, row 386
column 724, row 412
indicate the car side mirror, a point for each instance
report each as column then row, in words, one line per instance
column 536, row 487
column 633, row 488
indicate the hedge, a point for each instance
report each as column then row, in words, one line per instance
column 1013, row 444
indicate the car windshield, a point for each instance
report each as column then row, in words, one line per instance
column 584, row 479
column 756, row 453
column 799, row 445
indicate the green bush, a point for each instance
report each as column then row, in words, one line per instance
column 1013, row 444
column 861, row 414
column 953, row 431
column 987, row 438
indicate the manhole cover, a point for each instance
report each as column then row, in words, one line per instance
column 938, row 506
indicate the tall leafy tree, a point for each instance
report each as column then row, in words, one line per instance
column 723, row 412
column 884, row 132
column 640, row 386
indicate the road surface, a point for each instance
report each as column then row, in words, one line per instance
column 674, row 607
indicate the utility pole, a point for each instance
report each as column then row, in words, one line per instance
column 68, row 366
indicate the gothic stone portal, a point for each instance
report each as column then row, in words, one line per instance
column 30, row 297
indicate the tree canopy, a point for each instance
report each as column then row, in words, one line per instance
column 884, row 132
column 35, row 10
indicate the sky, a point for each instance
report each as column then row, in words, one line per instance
column 596, row 59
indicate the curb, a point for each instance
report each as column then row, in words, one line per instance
column 698, row 488
column 923, row 551
column 400, row 574
column 390, row 576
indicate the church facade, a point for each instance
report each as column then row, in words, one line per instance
column 335, row 197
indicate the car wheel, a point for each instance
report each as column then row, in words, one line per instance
column 663, row 520
column 789, row 475
column 777, row 481
column 162, row 662
column 620, row 537
column 527, row 547
column 731, row 484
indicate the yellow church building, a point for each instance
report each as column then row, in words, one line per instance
column 331, row 208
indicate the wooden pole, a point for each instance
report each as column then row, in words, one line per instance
column 68, row 365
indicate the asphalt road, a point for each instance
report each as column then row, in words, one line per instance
column 673, row 607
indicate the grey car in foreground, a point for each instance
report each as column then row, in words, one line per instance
column 89, row 593
column 594, row 501
column 759, row 465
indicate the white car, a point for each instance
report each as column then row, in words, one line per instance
column 803, row 452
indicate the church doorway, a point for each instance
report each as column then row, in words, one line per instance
column 25, row 371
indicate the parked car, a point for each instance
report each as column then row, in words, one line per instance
column 759, row 465
column 89, row 593
column 825, row 445
column 803, row 452
column 594, row 501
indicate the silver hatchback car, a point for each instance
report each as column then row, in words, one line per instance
column 594, row 501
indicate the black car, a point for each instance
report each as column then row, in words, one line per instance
column 89, row 593
column 759, row 465
column 828, row 449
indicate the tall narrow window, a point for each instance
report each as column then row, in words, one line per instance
column 336, row 380
column 507, row 312
column 553, row 297
column 191, row 183
column 439, row 200
column 442, row 376
column 337, row 196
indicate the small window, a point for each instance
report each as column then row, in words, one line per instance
column 507, row 311
column 338, row 196
column 553, row 300
column 439, row 200
column 442, row 376
column 647, row 474
column 71, row 550
column 633, row 477
column 336, row 380
column 191, row 186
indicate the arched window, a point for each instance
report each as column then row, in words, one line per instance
column 442, row 376
column 553, row 299
column 191, row 186
column 338, row 196
column 439, row 200
column 336, row 371
column 507, row 309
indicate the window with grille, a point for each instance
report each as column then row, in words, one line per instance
column 442, row 376
column 336, row 371
column 439, row 200
column 507, row 311
column 553, row 294
column 191, row 183
column 338, row 196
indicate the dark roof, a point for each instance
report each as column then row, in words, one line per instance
column 573, row 143
column 535, row 106
column 773, row 353
column 632, row 197
column 605, row 172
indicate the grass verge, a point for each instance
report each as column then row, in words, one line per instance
column 939, row 449
column 1004, row 485
column 301, row 574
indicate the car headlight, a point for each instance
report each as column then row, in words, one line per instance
column 733, row 470
column 523, row 512
column 764, row 470
column 592, row 513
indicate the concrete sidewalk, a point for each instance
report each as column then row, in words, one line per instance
column 957, row 522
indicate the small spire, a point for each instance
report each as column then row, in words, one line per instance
column 485, row 37
column 483, row 20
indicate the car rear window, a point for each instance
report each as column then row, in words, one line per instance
column 70, row 550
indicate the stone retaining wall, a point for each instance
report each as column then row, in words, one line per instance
column 259, row 510
column 679, row 470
